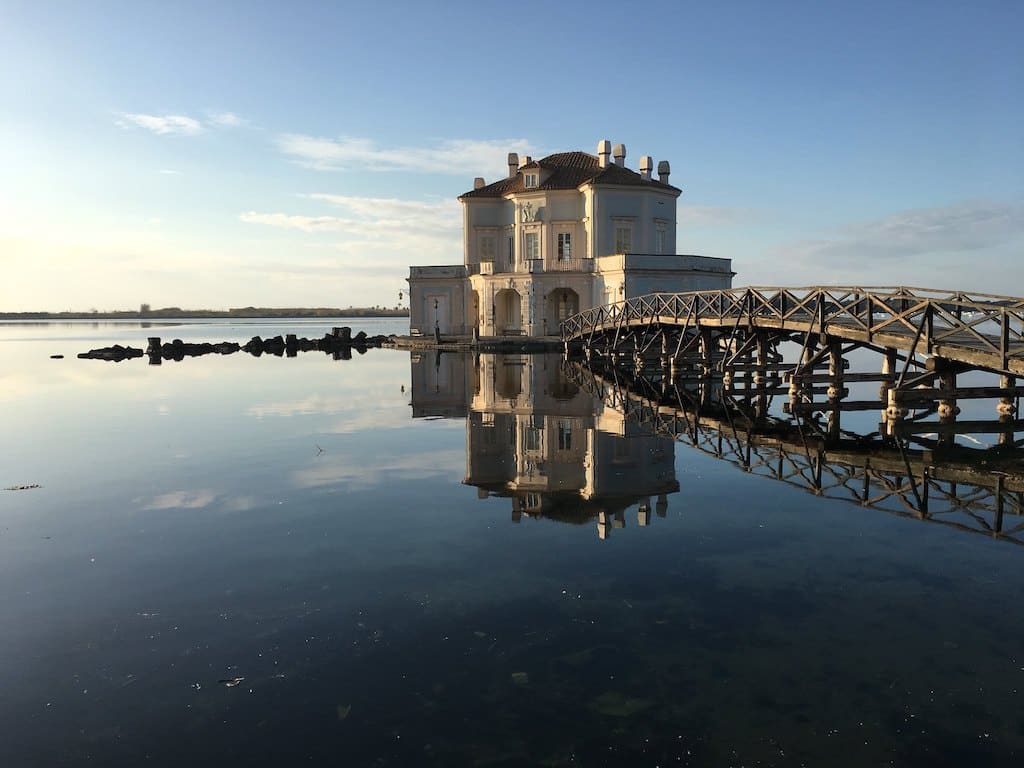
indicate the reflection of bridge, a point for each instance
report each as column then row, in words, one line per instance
column 968, row 489
column 737, row 332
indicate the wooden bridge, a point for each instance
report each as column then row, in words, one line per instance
column 924, row 338
column 974, row 490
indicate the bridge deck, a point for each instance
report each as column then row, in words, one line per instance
column 978, row 331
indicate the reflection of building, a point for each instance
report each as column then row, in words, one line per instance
column 534, row 437
column 440, row 386
column 558, row 235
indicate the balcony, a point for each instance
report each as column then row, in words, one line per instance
column 537, row 266
column 570, row 265
column 486, row 267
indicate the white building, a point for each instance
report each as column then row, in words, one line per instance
column 558, row 235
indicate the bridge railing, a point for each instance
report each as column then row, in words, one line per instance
column 989, row 323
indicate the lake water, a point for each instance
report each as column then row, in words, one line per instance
column 417, row 560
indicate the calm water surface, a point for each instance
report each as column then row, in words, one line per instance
column 316, row 530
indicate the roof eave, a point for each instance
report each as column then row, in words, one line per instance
column 674, row 191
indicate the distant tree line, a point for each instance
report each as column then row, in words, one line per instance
column 145, row 312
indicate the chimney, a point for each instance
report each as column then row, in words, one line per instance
column 513, row 164
column 604, row 148
column 619, row 153
column 527, row 160
column 663, row 171
column 646, row 166
column 478, row 182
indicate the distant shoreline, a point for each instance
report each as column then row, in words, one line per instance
column 176, row 313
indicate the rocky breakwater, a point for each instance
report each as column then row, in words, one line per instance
column 339, row 343
column 114, row 354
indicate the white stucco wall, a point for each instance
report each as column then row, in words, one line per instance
column 624, row 277
column 447, row 286
column 641, row 208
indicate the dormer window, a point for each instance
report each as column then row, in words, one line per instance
column 530, row 179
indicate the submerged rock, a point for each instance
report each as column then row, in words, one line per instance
column 614, row 704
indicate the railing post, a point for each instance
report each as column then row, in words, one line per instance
column 1004, row 338
column 929, row 320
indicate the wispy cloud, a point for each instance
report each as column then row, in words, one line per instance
column 444, row 215
column 453, row 156
column 169, row 172
column 226, row 120
column 380, row 232
column 179, row 125
column 957, row 245
column 968, row 226
column 162, row 125
column 295, row 221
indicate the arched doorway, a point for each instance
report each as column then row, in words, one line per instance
column 508, row 316
column 561, row 303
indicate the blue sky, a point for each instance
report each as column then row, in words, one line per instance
column 304, row 154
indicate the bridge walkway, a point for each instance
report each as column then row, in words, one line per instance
column 973, row 330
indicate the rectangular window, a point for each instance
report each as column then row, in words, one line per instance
column 531, row 179
column 565, row 435
column 486, row 248
column 564, row 245
column 532, row 245
column 659, row 240
column 623, row 239
column 531, row 439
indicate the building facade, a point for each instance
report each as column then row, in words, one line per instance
column 556, row 236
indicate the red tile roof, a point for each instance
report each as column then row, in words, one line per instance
column 568, row 170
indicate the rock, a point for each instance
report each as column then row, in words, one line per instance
column 114, row 354
column 339, row 343
column 254, row 346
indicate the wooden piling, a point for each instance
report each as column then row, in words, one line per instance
column 947, row 387
column 835, row 370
